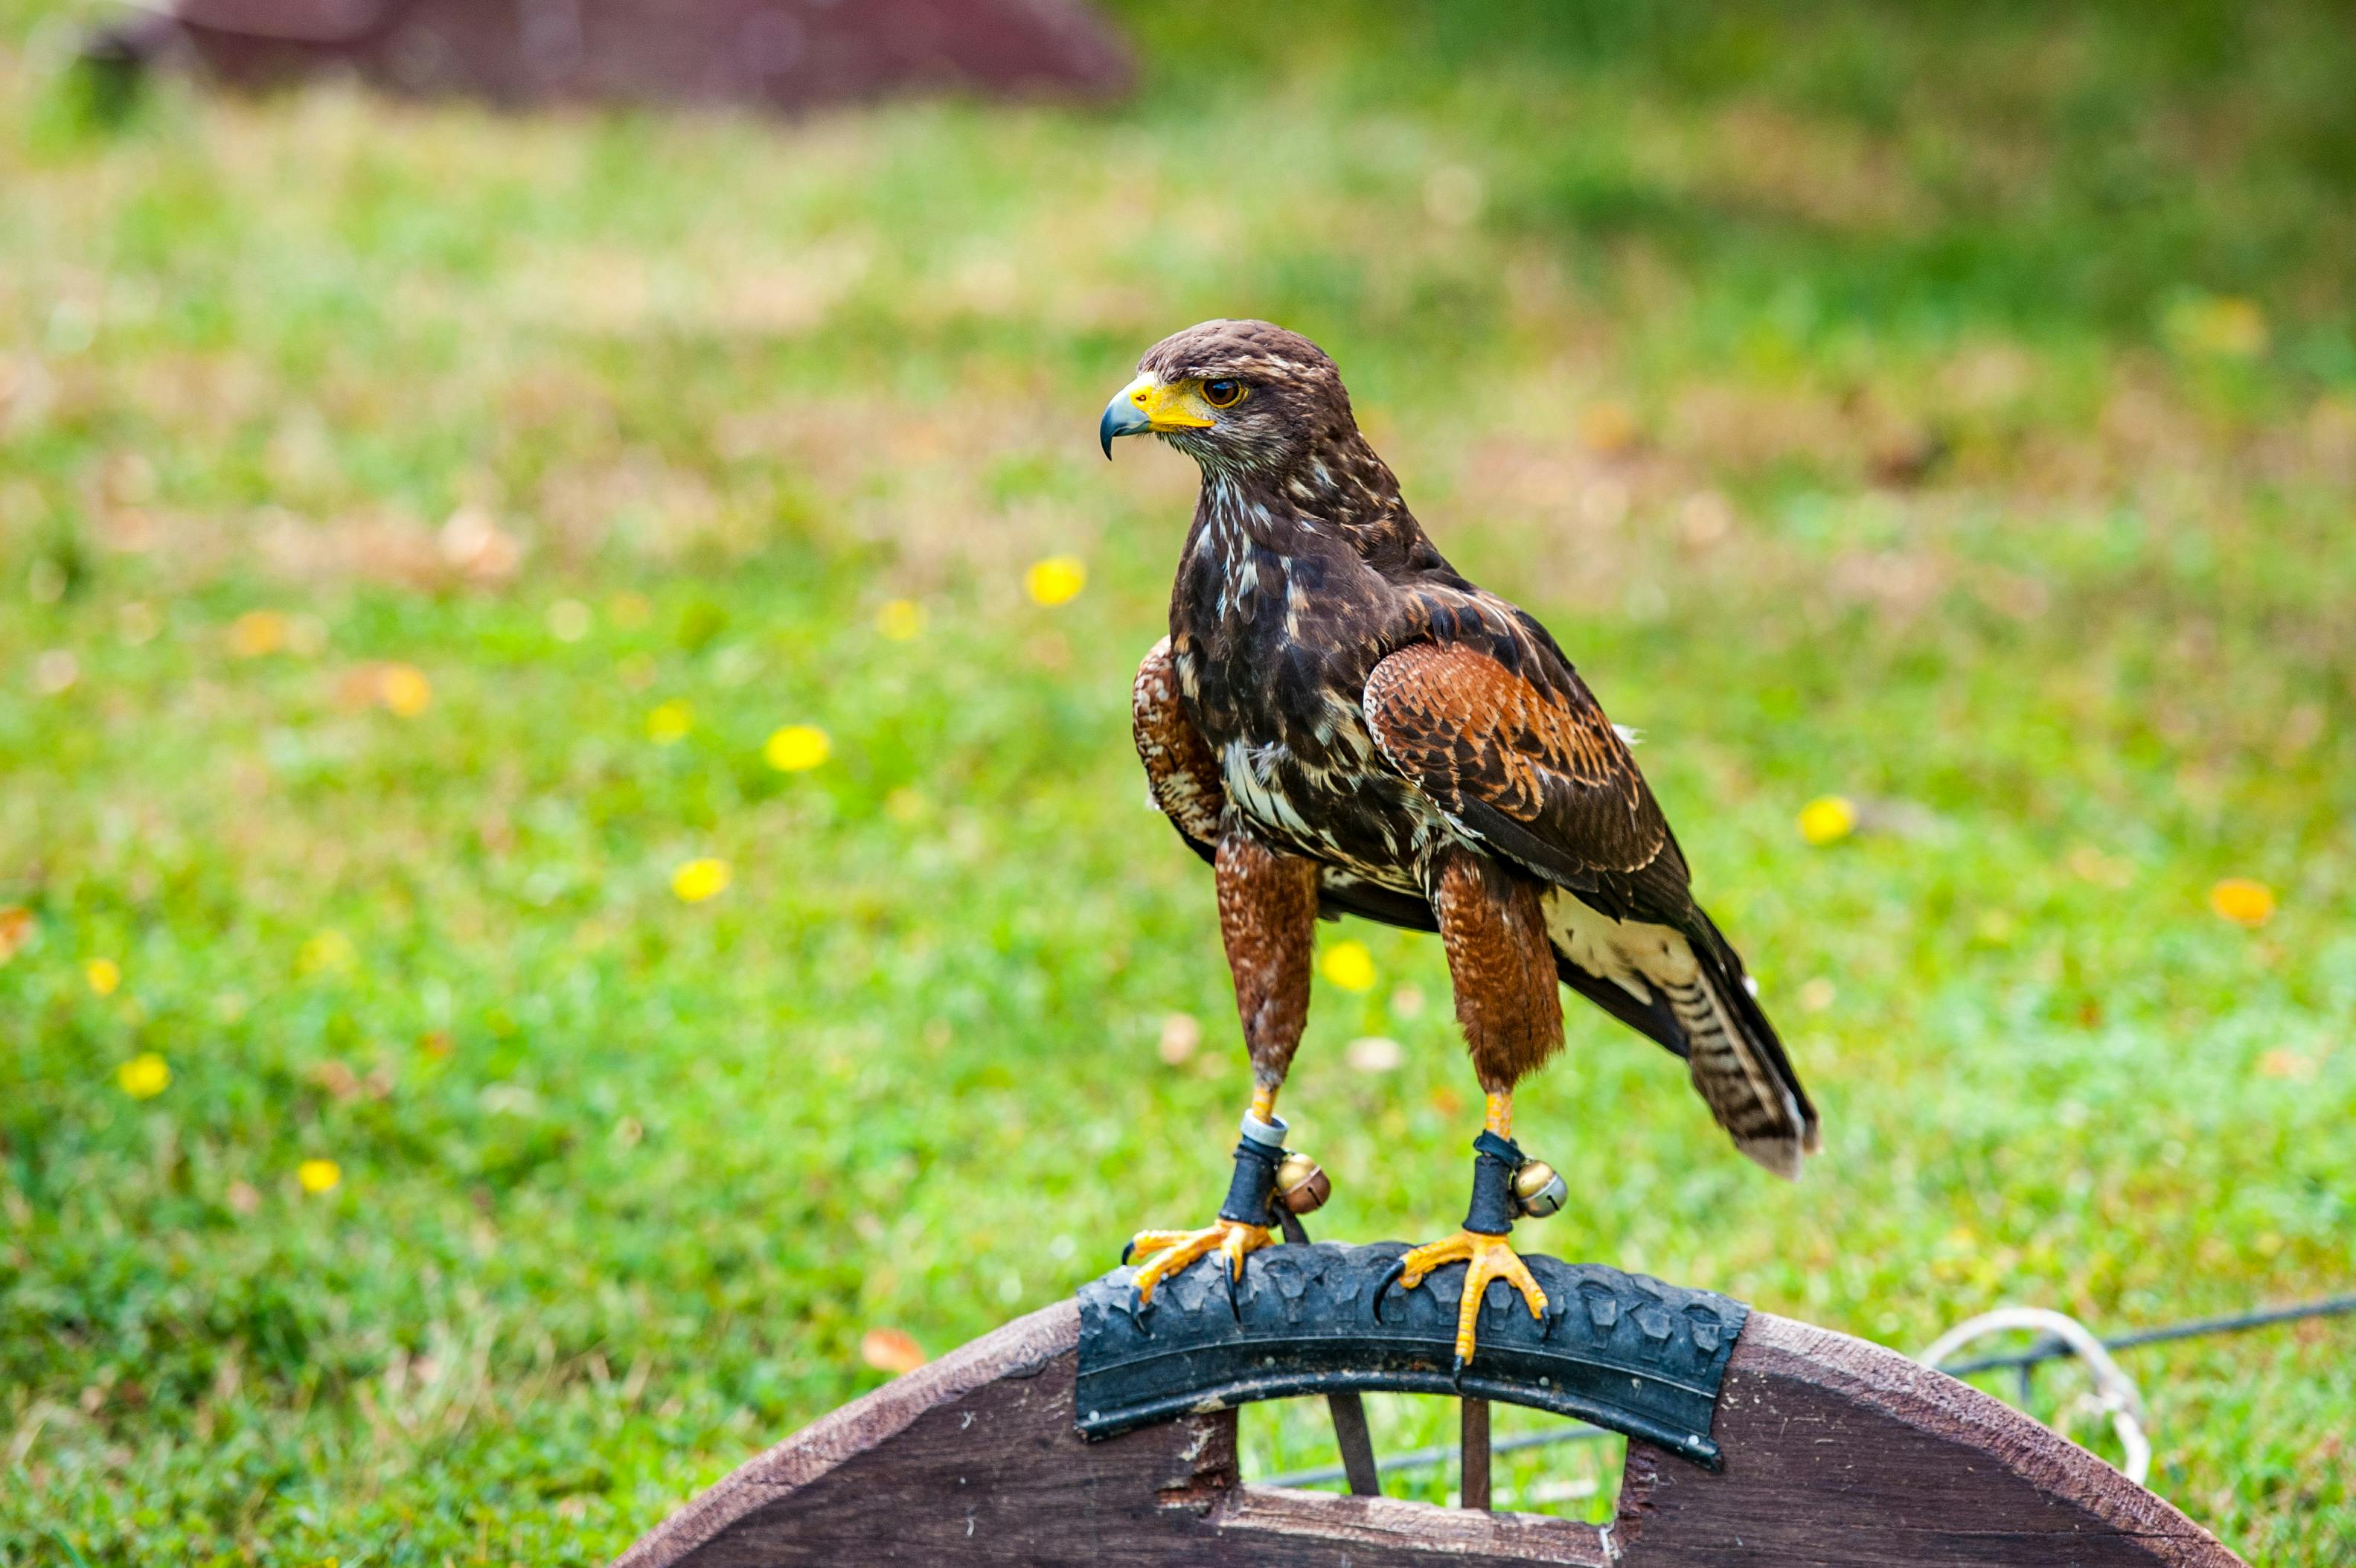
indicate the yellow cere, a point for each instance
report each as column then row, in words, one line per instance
column 697, row 880
column 797, row 748
column 144, row 1076
column 2242, row 901
column 404, row 690
column 103, row 975
column 669, row 723
column 1057, row 580
column 1827, row 819
column 319, row 1175
column 901, row 620
column 1349, row 965
column 1178, row 405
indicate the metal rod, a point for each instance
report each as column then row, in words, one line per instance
column 1356, row 1444
column 1474, row 1446
column 2051, row 1349
column 1347, row 1409
column 1445, row 1454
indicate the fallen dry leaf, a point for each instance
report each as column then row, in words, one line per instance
column 891, row 1350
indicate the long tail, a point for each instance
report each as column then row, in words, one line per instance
column 1738, row 1065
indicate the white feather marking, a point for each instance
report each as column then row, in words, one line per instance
column 1629, row 953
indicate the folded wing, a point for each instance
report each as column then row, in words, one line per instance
column 1508, row 742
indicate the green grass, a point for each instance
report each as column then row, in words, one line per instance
column 1962, row 420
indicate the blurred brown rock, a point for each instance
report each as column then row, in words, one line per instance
column 775, row 54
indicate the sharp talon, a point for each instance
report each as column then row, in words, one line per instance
column 1166, row 1255
column 1127, row 1251
column 1383, row 1286
column 1486, row 1259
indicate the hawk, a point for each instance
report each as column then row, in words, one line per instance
column 1341, row 723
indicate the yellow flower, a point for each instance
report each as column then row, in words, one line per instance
column 103, row 974
column 329, row 949
column 902, row 620
column 144, row 1076
column 697, row 880
column 1827, row 819
column 319, row 1175
column 403, row 689
column 2228, row 327
column 670, row 722
column 257, row 632
column 2242, row 901
column 796, row 748
column 1349, row 965
column 1057, row 580
column 1607, row 428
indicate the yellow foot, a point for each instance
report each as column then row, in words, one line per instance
column 1161, row 1253
column 1484, row 1258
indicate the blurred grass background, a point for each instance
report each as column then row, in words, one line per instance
column 415, row 521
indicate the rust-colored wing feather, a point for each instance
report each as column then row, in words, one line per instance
column 1536, row 771
column 1179, row 771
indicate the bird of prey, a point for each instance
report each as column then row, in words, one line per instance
column 1340, row 722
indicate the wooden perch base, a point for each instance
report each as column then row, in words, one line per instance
column 1835, row 1452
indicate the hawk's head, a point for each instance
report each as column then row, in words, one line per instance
column 1237, row 396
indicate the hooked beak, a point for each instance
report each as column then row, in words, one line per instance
column 1147, row 404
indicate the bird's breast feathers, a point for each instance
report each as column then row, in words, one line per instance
column 1343, row 812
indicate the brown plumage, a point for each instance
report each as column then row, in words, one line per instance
column 1334, row 697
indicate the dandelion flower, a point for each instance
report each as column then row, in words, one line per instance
column 797, row 748
column 1349, row 965
column 319, row 1175
column 328, row 950
column 403, row 689
column 1607, row 428
column 1828, row 818
column 697, row 880
column 2221, row 325
column 103, row 974
column 669, row 723
column 257, row 632
column 2242, row 901
column 144, row 1076
column 901, row 620
column 1057, row 580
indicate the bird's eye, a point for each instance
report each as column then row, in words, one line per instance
column 1223, row 393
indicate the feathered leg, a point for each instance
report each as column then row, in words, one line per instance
column 1267, row 918
column 1494, row 925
